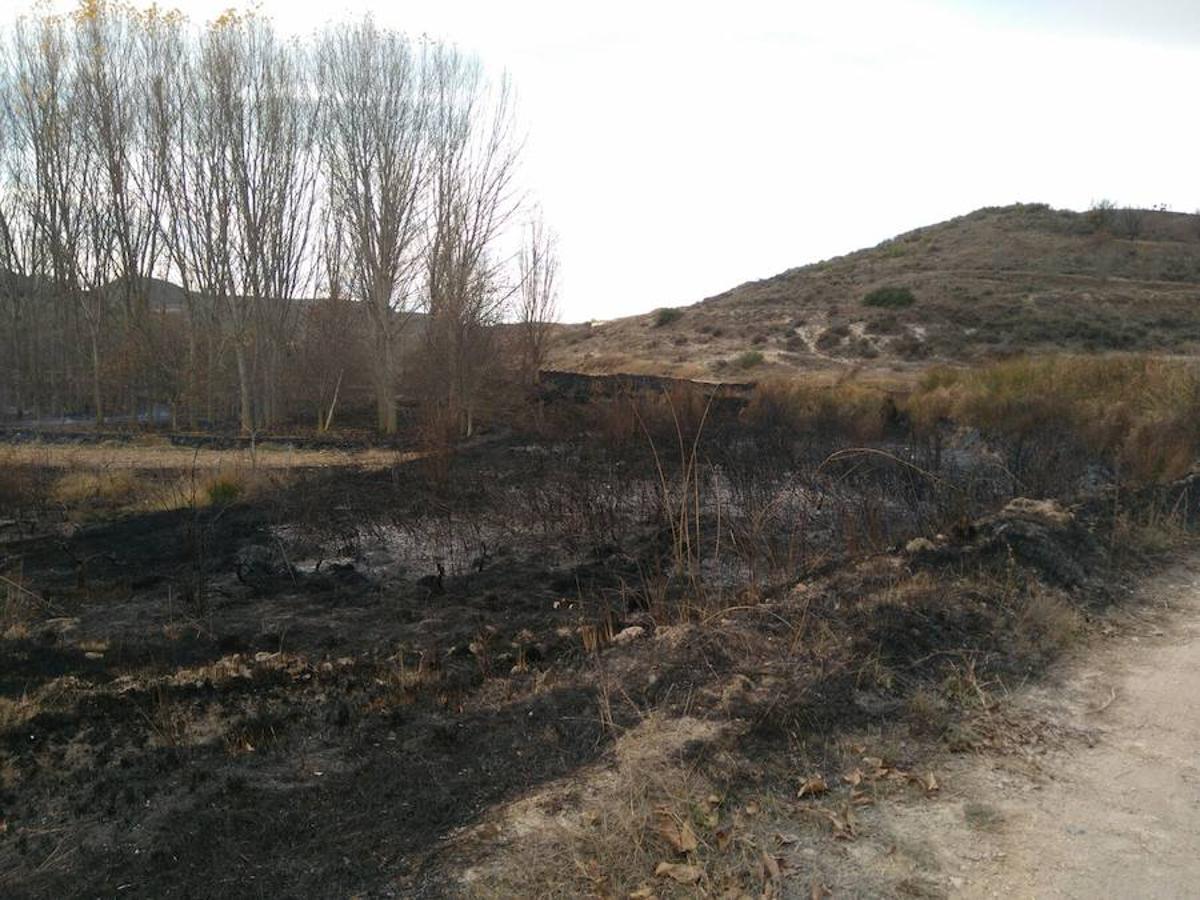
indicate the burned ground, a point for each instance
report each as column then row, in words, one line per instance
column 314, row 688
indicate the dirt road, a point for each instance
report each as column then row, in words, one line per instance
column 1113, row 810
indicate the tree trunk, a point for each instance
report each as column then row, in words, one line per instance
column 385, row 398
column 247, row 410
column 96, row 394
column 191, row 376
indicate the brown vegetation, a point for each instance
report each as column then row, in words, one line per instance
column 622, row 649
column 1022, row 279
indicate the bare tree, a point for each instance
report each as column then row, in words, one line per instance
column 115, row 48
column 374, row 136
column 473, row 159
column 537, row 309
column 47, row 116
column 244, row 193
column 275, row 167
column 190, row 124
column 20, row 261
column 1129, row 222
column 329, row 332
column 137, row 150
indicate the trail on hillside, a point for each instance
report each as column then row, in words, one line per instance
column 1114, row 812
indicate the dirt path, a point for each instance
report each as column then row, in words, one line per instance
column 1112, row 811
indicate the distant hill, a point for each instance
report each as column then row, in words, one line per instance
column 1001, row 280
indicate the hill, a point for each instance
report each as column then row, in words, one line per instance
column 999, row 281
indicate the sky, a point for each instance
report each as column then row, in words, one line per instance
column 681, row 148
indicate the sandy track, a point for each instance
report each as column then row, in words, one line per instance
column 1114, row 812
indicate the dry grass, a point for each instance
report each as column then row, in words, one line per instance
column 151, row 455
column 19, row 605
column 95, row 486
column 857, row 411
column 1046, row 622
column 648, row 824
column 1140, row 413
column 151, row 475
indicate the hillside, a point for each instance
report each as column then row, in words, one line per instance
column 998, row 281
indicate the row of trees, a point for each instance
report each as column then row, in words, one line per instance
column 173, row 200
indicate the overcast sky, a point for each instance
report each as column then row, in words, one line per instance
column 680, row 149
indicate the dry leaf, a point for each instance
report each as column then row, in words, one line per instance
column 785, row 839
column 752, row 808
column 927, row 781
column 853, row 778
column 723, row 837
column 683, row 874
column 860, row 798
column 645, row 892
column 819, row 891
column 770, row 866
column 813, row 786
column 842, row 825
column 873, row 762
column 678, row 834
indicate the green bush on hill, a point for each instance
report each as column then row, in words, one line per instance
column 666, row 316
column 890, row 298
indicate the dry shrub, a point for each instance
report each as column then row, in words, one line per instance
column 437, row 431
column 670, row 415
column 224, row 489
column 1045, row 622
column 1141, row 413
column 22, row 486
column 649, row 809
column 616, row 420
column 96, row 487
column 847, row 409
column 110, row 490
column 16, row 712
column 18, row 604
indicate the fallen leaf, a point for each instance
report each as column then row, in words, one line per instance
column 860, row 798
column 752, row 808
column 927, row 781
column 679, row 872
column 645, row 892
column 853, row 778
column 785, row 839
column 873, row 762
column 770, row 866
column 678, row 834
column 842, row 825
column 723, row 837
column 813, row 786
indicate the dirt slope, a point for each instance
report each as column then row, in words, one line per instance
column 997, row 281
column 1114, row 813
